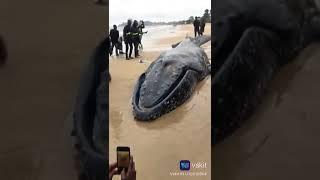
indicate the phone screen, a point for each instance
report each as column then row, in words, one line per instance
column 123, row 157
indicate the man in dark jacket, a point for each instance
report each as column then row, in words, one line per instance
column 114, row 36
column 202, row 25
column 135, row 37
column 141, row 27
column 196, row 24
column 128, row 39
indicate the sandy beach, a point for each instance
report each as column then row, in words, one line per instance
column 184, row 133
column 49, row 42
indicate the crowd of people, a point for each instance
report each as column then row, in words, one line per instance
column 132, row 35
column 199, row 26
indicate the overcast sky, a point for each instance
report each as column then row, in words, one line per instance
column 155, row 10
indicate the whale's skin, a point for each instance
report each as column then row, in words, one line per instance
column 171, row 79
column 253, row 40
column 90, row 116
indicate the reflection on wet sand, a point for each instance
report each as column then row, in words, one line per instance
column 158, row 146
column 281, row 140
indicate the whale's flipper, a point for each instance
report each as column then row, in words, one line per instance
column 175, row 45
column 199, row 40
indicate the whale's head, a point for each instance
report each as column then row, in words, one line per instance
column 160, row 79
column 166, row 84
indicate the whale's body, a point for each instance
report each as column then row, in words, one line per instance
column 253, row 40
column 170, row 80
column 90, row 116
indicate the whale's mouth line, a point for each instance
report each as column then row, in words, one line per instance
column 228, row 49
column 167, row 93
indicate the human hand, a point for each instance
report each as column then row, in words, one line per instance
column 130, row 174
column 113, row 170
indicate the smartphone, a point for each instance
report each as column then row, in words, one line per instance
column 123, row 157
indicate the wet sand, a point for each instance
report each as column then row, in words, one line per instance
column 158, row 146
column 281, row 140
column 49, row 42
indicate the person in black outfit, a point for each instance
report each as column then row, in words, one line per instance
column 135, row 37
column 202, row 25
column 119, row 45
column 196, row 24
column 141, row 27
column 114, row 36
column 128, row 39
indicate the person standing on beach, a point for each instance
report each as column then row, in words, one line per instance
column 128, row 39
column 196, row 25
column 202, row 25
column 119, row 45
column 141, row 27
column 135, row 37
column 114, row 35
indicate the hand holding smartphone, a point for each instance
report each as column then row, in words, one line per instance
column 123, row 157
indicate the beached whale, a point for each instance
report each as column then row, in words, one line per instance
column 253, row 39
column 170, row 80
column 90, row 116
